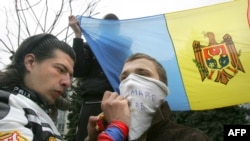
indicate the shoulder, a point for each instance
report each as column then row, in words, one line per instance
column 4, row 96
column 191, row 134
column 4, row 102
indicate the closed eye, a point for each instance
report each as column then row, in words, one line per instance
column 141, row 72
column 144, row 72
column 123, row 77
column 60, row 69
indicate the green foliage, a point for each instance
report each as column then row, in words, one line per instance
column 212, row 122
column 73, row 116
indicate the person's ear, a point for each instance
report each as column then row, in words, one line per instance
column 29, row 61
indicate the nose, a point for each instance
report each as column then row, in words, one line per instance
column 66, row 81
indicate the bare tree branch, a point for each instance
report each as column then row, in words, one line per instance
column 23, row 19
column 29, row 19
column 19, row 25
column 8, row 31
column 92, row 5
column 35, row 16
column 46, row 13
column 57, row 17
column 10, row 50
column 67, row 28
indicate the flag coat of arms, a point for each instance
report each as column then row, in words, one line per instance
column 204, row 50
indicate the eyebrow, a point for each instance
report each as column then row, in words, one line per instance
column 142, row 70
column 136, row 71
column 71, row 74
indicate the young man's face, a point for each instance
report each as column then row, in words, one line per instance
column 51, row 77
column 142, row 67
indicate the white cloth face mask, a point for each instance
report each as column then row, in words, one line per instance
column 144, row 95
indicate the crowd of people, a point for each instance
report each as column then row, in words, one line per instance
column 40, row 74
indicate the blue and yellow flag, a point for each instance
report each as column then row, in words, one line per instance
column 205, row 52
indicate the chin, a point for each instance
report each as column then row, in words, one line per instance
column 51, row 101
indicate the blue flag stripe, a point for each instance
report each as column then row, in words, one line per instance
column 113, row 41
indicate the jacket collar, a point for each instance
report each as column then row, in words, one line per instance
column 162, row 114
column 32, row 96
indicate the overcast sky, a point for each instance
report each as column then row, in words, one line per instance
column 125, row 9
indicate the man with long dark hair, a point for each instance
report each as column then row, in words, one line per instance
column 38, row 75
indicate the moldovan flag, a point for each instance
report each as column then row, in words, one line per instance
column 205, row 52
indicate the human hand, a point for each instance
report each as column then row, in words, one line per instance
column 92, row 132
column 74, row 24
column 115, row 108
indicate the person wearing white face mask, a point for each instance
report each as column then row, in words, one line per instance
column 145, row 95
column 144, row 84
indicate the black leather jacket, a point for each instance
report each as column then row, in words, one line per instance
column 94, row 82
